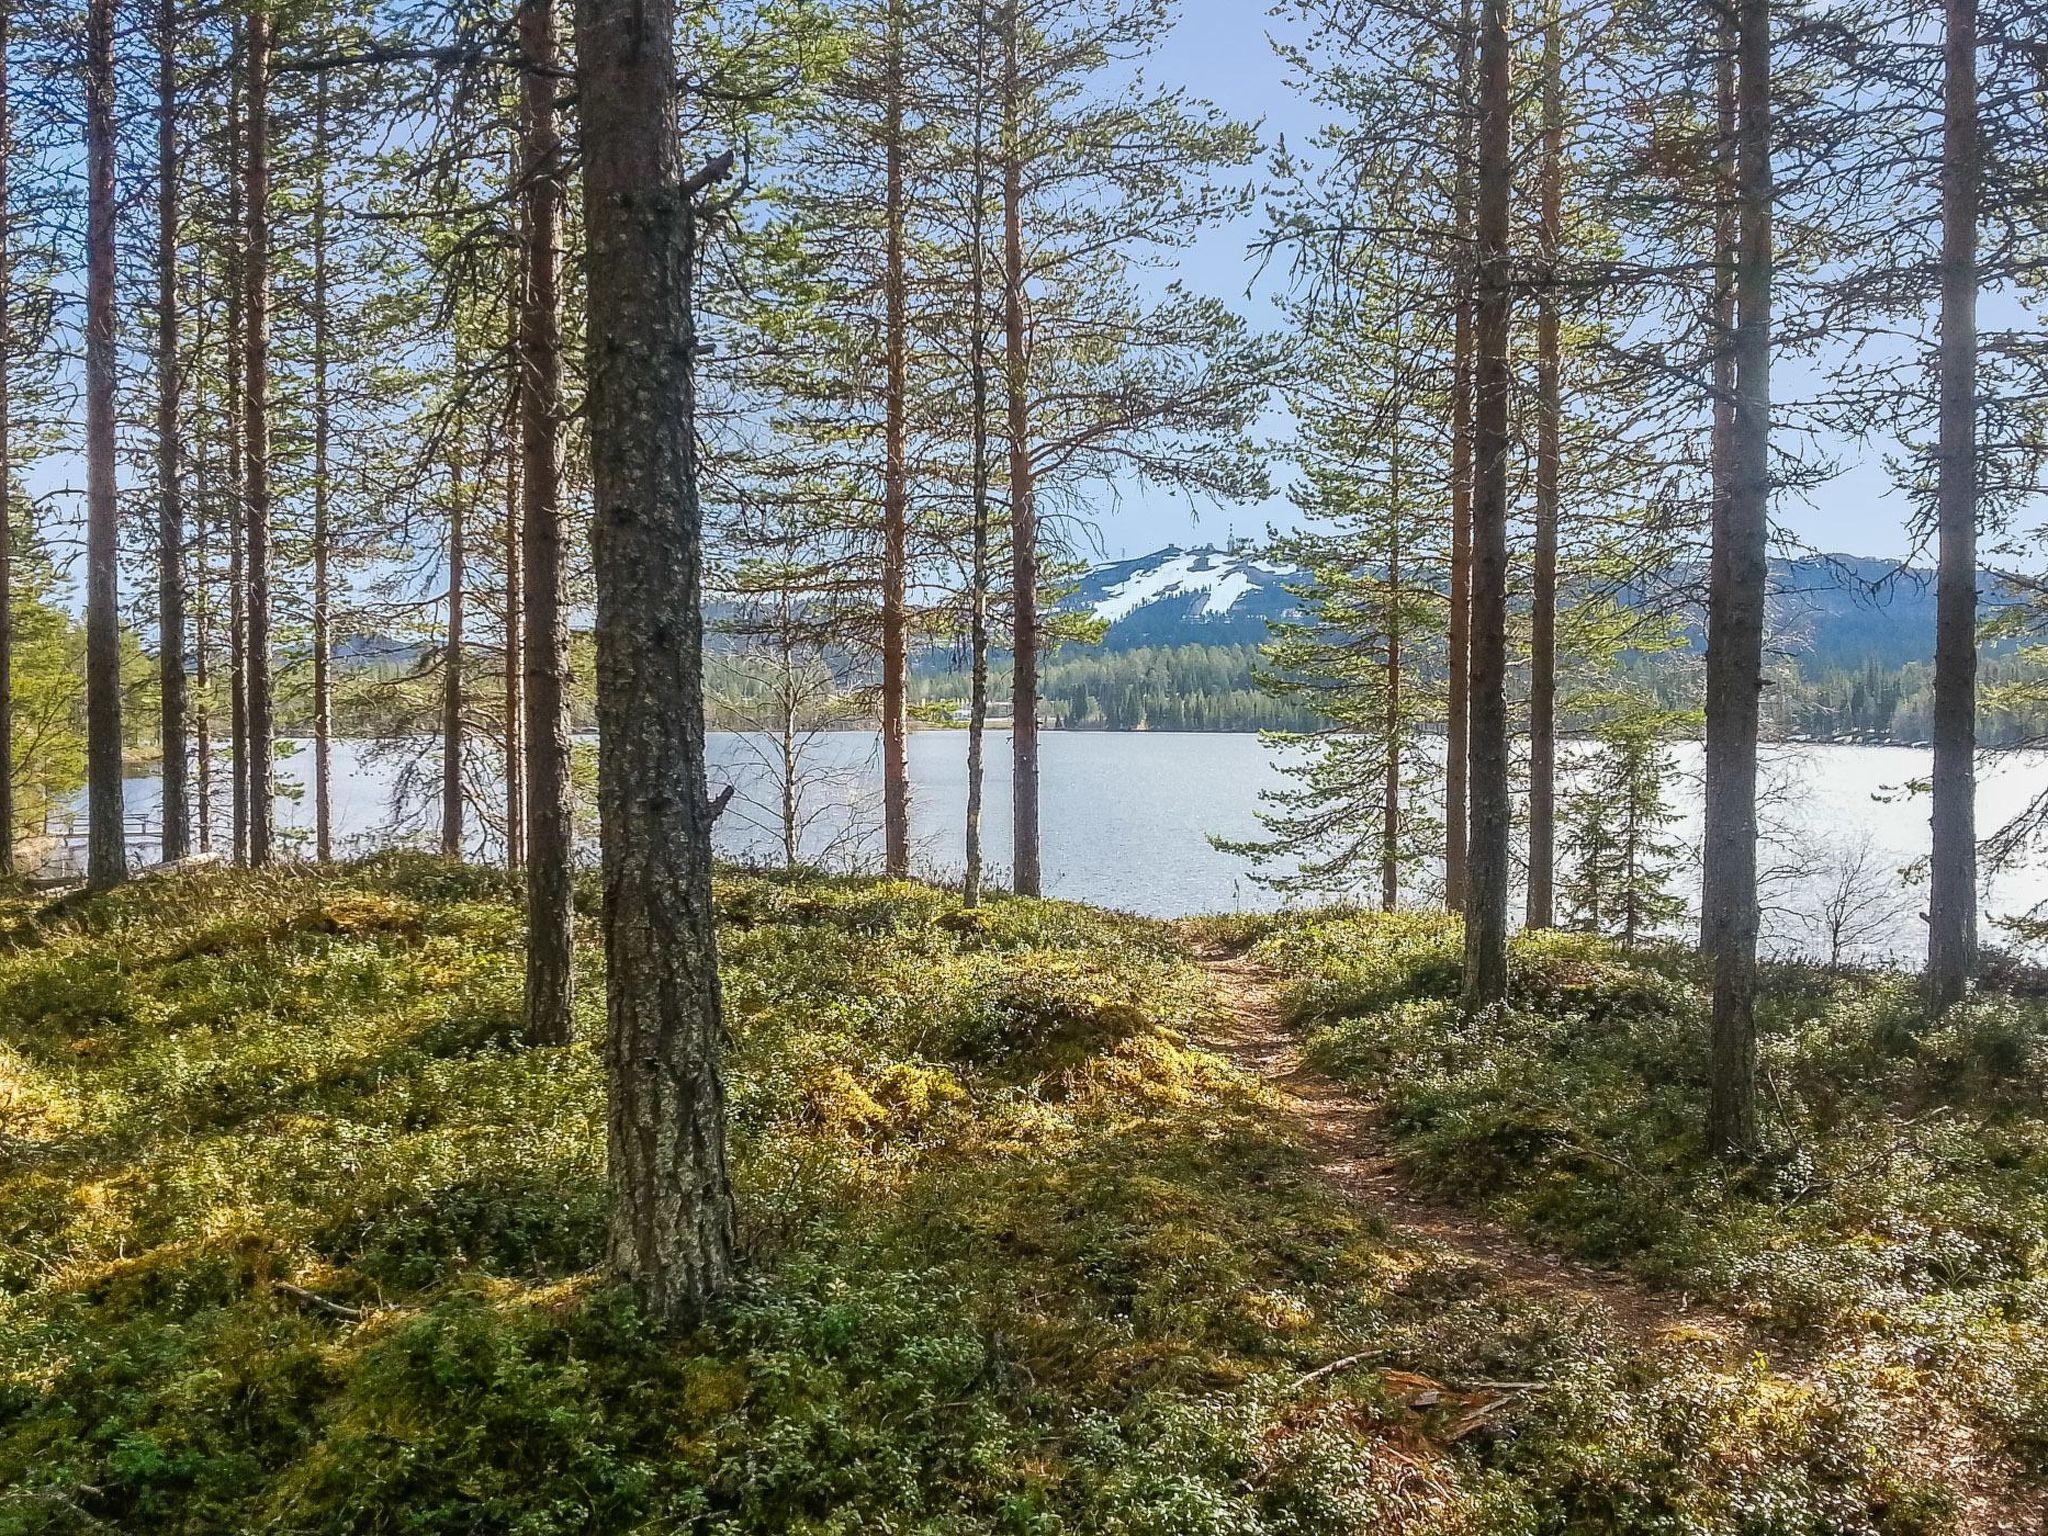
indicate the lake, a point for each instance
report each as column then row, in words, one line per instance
column 1128, row 818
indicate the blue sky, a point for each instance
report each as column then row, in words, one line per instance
column 1220, row 50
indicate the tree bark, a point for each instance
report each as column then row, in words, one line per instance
column 170, row 507
column 202, row 665
column 232, row 368
column 1542, row 894
column 106, row 833
column 514, row 723
column 323, row 520
column 256, row 438
column 550, row 825
column 671, row 1229
column 1390, row 793
column 452, row 660
column 1952, row 898
column 1458, row 705
column 896, row 484
column 1026, row 874
column 1720, row 470
column 6, row 444
column 978, row 407
column 1486, row 904
column 1735, row 618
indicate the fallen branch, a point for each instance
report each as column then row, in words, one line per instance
column 299, row 1293
column 1321, row 1371
column 1460, row 1388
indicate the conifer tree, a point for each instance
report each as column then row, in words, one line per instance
column 671, row 1231
column 107, row 851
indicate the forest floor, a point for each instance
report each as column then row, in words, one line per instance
column 1051, row 1226
column 1347, row 1134
column 1355, row 1152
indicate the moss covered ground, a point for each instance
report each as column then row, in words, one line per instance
column 296, row 1237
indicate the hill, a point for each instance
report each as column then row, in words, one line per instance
column 1829, row 612
column 1176, row 596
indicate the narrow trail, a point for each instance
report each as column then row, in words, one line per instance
column 1354, row 1153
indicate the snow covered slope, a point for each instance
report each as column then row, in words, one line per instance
column 1186, row 597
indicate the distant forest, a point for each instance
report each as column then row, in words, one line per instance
column 1216, row 688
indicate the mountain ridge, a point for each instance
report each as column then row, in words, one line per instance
column 1829, row 611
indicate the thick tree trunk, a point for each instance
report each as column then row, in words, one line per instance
column 1458, row 704
column 1542, row 895
column 671, row 1229
column 1026, row 872
column 550, row 824
column 106, row 839
column 1735, row 619
column 1952, row 899
column 170, row 547
column 6, row 445
column 895, row 479
column 1486, row 904
column 256, row 438
column 452, row 660
column 323, row 520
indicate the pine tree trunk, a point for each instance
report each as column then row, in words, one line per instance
column 1720, row 471
column 671, row 1231
column 550, row 823
column 170, row 508
column 1735, row 619
column 1458, row 705
column 323, row 519
column 514, row 724
column 256, row 438
column 106, row 833
column 6, row 445
column 1486, row 903
column 1952, row 899
column 978, row 407
column 791, row 852
column 202, row 665
column 452, row 661
column 1390, row 793
column 896, row 487
column 1542, row 894
column 1026, row 874
column 232, row 369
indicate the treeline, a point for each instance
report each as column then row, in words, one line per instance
column 1164, row 688
column 330, row 321
column 1540, row 264
column 392, row 313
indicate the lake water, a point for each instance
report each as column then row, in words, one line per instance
column 1128, row 818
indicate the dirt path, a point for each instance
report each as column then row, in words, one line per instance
column 1354, row 1152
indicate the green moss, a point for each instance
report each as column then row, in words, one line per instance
column 1019, row 1258
column 1898, row 1220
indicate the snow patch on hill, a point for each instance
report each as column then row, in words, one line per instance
column 1219, row 580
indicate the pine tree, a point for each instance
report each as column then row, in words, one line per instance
column 1621, row 853
column 107, row 852
column 1736, row 614
column 671, row 1229
column 1486, row 917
